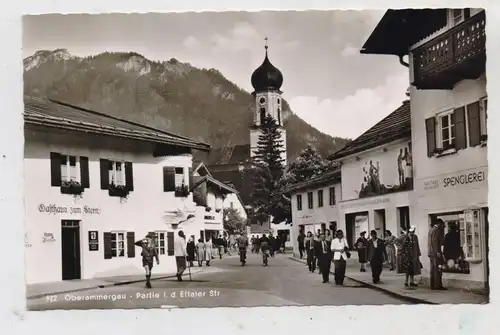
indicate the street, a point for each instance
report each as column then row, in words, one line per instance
column 284, row 282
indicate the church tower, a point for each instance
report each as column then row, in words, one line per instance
column 267, row 81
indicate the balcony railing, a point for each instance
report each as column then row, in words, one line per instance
column 457, row 54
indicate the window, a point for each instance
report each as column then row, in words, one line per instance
column 231, row 204
column 310, row 202
column 447, row 130
column 179, row 177
column 69, row 171
column 117, row 244
column 332, row 196
column 320, row 198
column 262, row 115
column 457, row 16
column 160, row 242
column 299, row 202
column 116, row 173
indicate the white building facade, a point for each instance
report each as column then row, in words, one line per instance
column 94, row 188
column 315, row 206
column 377, row 179
column 449, row 132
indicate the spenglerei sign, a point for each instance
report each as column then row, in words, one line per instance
column 53, row 209
column 459, row 179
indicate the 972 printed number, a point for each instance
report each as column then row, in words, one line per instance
column 51, row 298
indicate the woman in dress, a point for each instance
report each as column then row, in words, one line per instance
column 200, row 252
column 190, row 249
column 390, row 249
column 208, row 251
column 411, row 253
column 361, row 244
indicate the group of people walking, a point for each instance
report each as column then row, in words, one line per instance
column 322, row 249
column 275, row 244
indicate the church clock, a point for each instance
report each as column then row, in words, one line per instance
column 262, row 101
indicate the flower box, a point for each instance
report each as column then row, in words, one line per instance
column 121, row 191
column 72, row 187
column 217, row 210
column 208, row 209
column 182, row 191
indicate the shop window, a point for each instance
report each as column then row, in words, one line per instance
column 320, row 198
column 160, row 242
column 310, row 201
column 299, row 202
column 332, row 196
column 472, row 235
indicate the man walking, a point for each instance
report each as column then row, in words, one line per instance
column 149, row 253
column 324, row 257
column 300, row 240
column 180, row 254
column 435, row 247
column 376, row 255
column 242, row 242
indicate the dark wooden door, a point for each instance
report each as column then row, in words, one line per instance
column 70, row 249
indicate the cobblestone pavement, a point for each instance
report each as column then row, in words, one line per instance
column 283, row 283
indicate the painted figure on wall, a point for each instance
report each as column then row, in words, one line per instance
column 372, row 185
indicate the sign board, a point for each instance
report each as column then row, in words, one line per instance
column 93, row 240
column 471, row 178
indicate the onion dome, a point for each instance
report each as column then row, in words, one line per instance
column 266, row 77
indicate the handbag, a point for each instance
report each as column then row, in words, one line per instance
column 347, row 252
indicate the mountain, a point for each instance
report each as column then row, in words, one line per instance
column 170, row 95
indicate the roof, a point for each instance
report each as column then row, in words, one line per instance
column 400, row 28
column 229, row 155
column 241, row 181
column 326, row 178
column 211, row 180
column 395, row 126
column 56, row 114
column 200, row 166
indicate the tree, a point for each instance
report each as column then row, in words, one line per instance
column 233, row 220
column 267, row 171
column 308, row 165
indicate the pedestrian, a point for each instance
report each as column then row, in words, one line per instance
column 411, row 257
column 361, row 244
column 328, row 236
column 376, row 255
column 200, row 252
column 272, row 243
column 191, row 250
column 208, row 251
column 399, row 252
column 324, row 256
column 316, row 247
column 180, row 254
column 149, row 253
column 264, row 246
column 242, row 243
column 340, row 249
column 300, row 240
column 390, row 249
column 277, row 244
column 309, row 245
column 452, row 249
column 435, row 247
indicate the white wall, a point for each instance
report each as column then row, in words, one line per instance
column 233, row 199
column 143, row 211
column 385, row 156
column 432, row 193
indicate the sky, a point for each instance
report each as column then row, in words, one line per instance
column 327, row 82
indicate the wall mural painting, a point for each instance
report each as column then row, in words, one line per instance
column 372, row 185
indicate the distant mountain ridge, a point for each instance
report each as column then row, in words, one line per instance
column 173, row 96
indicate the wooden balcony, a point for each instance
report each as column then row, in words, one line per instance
column 457, row 54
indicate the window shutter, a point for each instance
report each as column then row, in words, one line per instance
column 131, row 244
column 104, row 174
column 55, row 169
column 474, row 124
column 460, row 133
column 170, row 243
column 191, row 179
column 108, row 254
column 466, row 13
column 168, row 179
column 430, row 128
column 84, row 172
column 129, row 176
